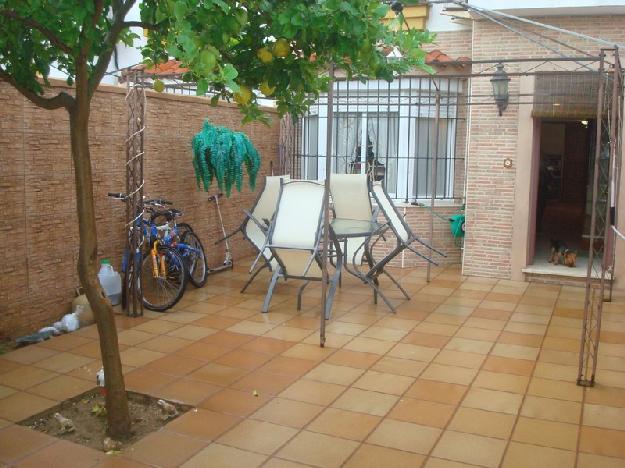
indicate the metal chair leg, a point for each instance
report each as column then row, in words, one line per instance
column 397, row 284
column 272, row 284
column 299, row 295
column 249, row 281
column 372, row 283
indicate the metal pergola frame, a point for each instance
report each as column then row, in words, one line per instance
column 595, row 291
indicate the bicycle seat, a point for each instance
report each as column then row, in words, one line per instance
column 169, row 215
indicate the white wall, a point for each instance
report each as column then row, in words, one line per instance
column 554, row 7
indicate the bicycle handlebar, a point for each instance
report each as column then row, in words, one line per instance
column 157, row 202
column 119, row 196
column 213, row 197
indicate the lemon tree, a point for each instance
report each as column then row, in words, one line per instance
column 230, row 49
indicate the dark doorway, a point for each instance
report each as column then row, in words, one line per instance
column 562, row 185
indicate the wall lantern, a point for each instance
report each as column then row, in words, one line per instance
column 500, row 82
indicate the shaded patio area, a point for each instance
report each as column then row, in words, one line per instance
column 469, row 372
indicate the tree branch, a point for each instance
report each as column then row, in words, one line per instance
column 54, row 40
column 60, row 100
column 110, row 40
column 140, row 24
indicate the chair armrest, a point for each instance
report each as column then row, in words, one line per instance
column 263, row 227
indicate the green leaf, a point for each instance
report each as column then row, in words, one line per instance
column 202, row 87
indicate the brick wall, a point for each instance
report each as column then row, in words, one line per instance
column 38, row 203
column 490, row 187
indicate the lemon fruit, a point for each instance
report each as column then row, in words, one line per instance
column 264, row 54
column 266, row 89
column 159, row 86
column 243, row 96
column 281, row 48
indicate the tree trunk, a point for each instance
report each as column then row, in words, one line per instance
column 116, row 399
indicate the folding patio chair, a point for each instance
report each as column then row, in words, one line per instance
column 294, row 238
column 405, row 239
column 351, row 200
column 256, row 225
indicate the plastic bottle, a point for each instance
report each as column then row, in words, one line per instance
column 111, row 282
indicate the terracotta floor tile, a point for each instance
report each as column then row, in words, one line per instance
column 62, row 453
column 426, row 339
column 449, row 374
column 398, row 366
column 498, row 381
column 369, row 345
column 373, row 456
column 478, row 334
column 440, row 392
column 63, row 362
column 180, row 316
column 526, row 328
column 145, row 380
column 202, row 351
column 345, row 424
column 606, row 417
column 203, row 424
column 459, row 358
column 606, row 442
column 333, row 340
column 508, row 365
column 139, row 357
column 384, row 334
column 215, row 322
column 25, row 377
column 434, row 462
column 330, row 373
column 603, row 395
column 491, row 400
column 165, row 448
column 235, row 402
column 18, row 441
column 524, row 455
column 383, row 382
column 548, row 370
column 29, row 354
column 65, row 342
column 279, row 463
column 266, row 346
column 515, row 351
column 120, row 462
column 164, row 344
column 205, row 308
column 550, row 409
column 265, row 382
column 288, row 333
column 487, row 323
column 587, row 460
column 318, row 449
column 345, row 328
column 287, row 412
column 555, row 389
column 174, row 364
column 6, row 366
column 192, row 332
column 243, row 359
column 344, row 357
column 287, row 365
column 470, row 448
column 187, row 391
column 313, row 352
column 61, row 388
column 249, row 327
column 486, row 423
column 221, row 456
column 218, row 374
column 404, row 436
column 409, row 351
column 546, row 433
column 364, row 401
column 397, row 323
column 6, row 391
column 227, row 339
column 157, row 327
column 309, row 391
column 520, row 339
column 468, row 346
column 257, row 436
column 21, row 405
column 133, row 337
column 426, row 413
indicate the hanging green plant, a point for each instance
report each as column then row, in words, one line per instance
column 220, row 153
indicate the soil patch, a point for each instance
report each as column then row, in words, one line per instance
column 90, row 428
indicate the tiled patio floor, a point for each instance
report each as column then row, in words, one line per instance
column 469, row 372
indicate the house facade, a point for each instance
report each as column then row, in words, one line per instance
column 523, row 176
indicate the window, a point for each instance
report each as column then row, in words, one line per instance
column 389, row 131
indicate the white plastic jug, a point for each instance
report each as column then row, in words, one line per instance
column 111, row 282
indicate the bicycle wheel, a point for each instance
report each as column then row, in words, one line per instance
column 195, row 259
column 162, row 293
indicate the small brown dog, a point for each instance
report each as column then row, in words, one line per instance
column 561, row 254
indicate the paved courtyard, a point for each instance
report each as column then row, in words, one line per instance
column 470, row 372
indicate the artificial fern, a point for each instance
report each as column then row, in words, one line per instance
column 220, row 153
